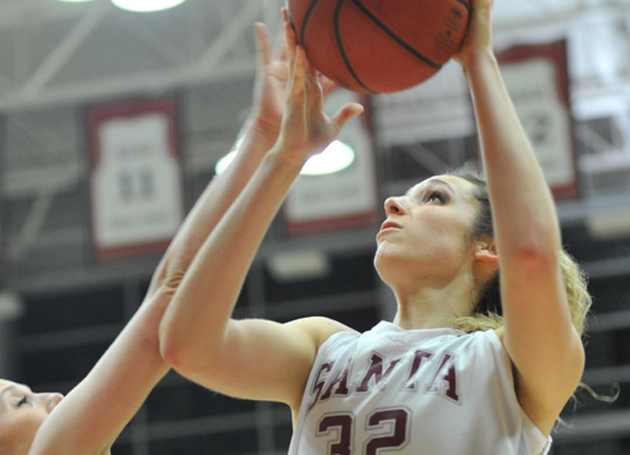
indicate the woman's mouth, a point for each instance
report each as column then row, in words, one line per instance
column 390, row 225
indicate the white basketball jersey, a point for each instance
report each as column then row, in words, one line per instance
column 391, row 391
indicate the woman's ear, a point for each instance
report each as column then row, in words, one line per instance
column 486, row 250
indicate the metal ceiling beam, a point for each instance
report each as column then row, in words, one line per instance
column 61, row 54
column 231, row 32
column 146, row 82
column 6, row 83
column 182, row 71
column 18, row 13
column 170, row 52
column 32, row 225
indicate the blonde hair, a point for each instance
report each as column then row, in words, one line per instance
column 488, row 311
column 578, row 297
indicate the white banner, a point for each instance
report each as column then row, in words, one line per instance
column 536, row 76
column 532, row 86
column 136, row 185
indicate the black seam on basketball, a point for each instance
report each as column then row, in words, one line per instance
column 400, row 41
column 466, row 5
column 311, row 7
column 290, row 20
column 342, row 50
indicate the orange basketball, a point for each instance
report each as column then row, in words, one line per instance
column 379, row 46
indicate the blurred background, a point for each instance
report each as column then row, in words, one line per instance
column 75, row 263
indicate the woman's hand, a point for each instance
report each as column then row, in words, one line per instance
column 478, row 37
column 306, row 129
column 270, row 88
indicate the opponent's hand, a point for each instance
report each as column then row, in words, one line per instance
column 270, row 86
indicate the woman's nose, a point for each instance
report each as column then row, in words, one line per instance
column 50, row 400
column 393, row 206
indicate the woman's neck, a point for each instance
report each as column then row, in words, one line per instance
column 433, row 308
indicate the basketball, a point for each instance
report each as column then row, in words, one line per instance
column 379, row 46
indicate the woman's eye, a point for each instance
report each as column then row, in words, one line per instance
column 22, row 402
column 436, row 196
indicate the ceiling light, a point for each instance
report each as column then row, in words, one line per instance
column 146, row 5
column 336, row 157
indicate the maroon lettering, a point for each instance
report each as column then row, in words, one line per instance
column 339, row 429
column 445, row 377
column 319, row 383
column 333, row 381
column 375, row 370
column 342, row 446
column 340, row 380
column 398, row 436
column 419, row 357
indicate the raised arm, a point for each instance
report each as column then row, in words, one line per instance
column 256, row 137
column 94, row 413
column 538, row 335
column 253, row 359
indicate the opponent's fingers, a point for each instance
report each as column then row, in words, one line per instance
column 282, row 53
column 262, row 44
column 279, row 48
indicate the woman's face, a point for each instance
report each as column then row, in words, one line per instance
column 424, row 237
column 21, row 414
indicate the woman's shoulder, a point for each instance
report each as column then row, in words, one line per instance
column 321, row 328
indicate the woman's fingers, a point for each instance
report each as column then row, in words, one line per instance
column 346, row 113
column 306, row 126
column 328, row 85
column 297, row 73
column 289, row 36
column 478, row 35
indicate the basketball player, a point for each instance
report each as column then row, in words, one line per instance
column 485, row 348
column 92, row 415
